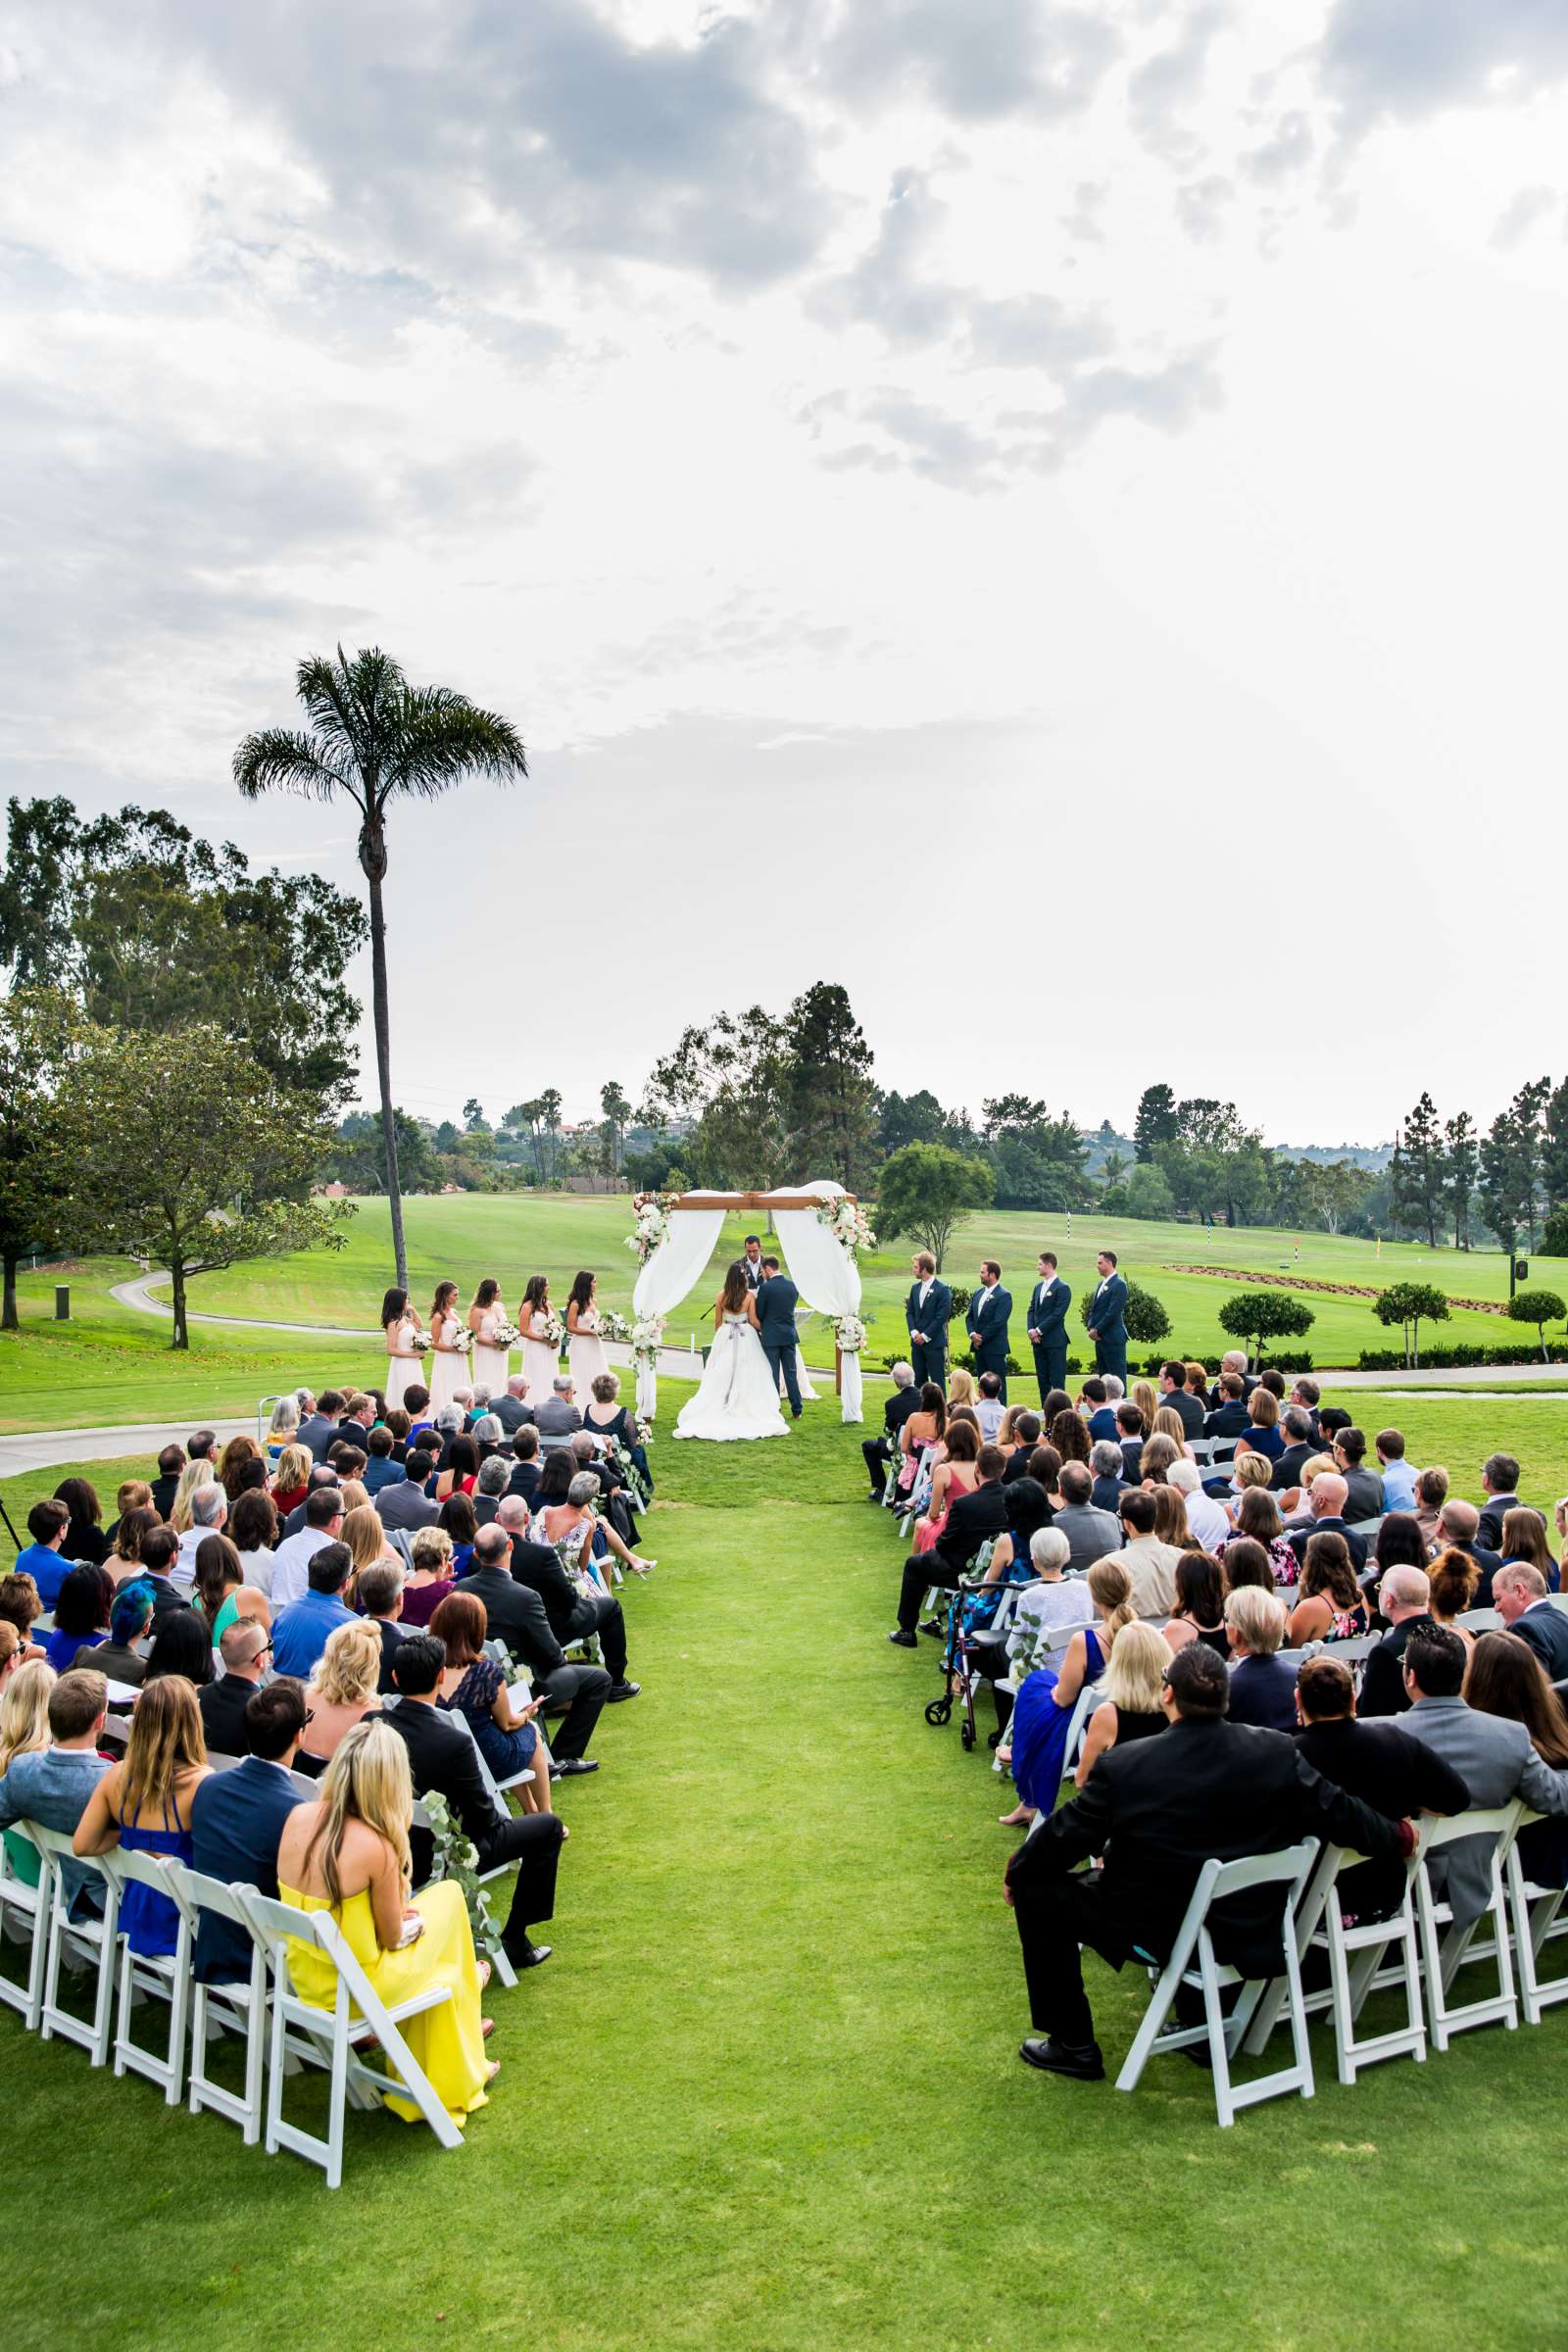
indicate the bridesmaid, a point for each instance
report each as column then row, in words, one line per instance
column 405, row 1364
column 485, row 1319
column 585, row 1349
column 539, row 1358
column 451, row 1360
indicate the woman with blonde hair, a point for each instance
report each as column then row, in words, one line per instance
column 348, row 1854
column 341, row 1690
column 430, row 1578
column 195, row 1474
column 961, row 1389
column 143, row 1804
column 1168, row 1423
column 1147, row 1402
column 1037, row 1736
column 366, row 1540
column 291, row 1481
column 1130, row 1709
column 24, row 1732
column 356, row 1494
column 1170, row 1520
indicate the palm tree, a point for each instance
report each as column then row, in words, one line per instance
column 373, row 736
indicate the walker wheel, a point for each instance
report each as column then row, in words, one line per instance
column 967, row 1733
column 939, row 1712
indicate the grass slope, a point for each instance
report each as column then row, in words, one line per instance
column 766, row 2093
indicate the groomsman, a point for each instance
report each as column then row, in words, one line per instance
column 752, row 1260
column 988, row 1310
column 926, row 1312
column 1107, row 1326
column 1047, row 1326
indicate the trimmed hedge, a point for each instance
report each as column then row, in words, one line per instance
column 1458, row 1358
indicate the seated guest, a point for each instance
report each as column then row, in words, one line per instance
column 1230, row 1417
column 514, row 1613
column 1135, row 1676
column 495, row 1477
column 457, row 1521
column 317, row 1430
column 442, row 1756
column 365, row 1534
column 221, row 1593
column 557, row 1417
column 1453, row 1576
column 1044, row 1468
column 44, row 1559
column 1397, row 1475
column 1170, row 1518
column 1523, row 1543
column 236, row 1466
column 1099, row 1413
column 324, row 1513
column 1301, row 1447
column 1130, row 1434
column 1431, row 1493
column 1457, row 1522
column 1328, row 1511
column 1199, row 1610
column 180, row 1649
column 82, row 1616
column 989, row 1410
column 53, row 1785
column 1068, row 1433
column 1028, row 1515
column 877, row 1452
column 1262, row 1432
column 1500, row 1482
column 512, row 1411
column 159, row 1552
column 1106, row 1465
column 85, row 1538
column 955, row 1474
column 1504, row 1679
column 1375, row 1762
column 208, row 1515
column 1331, row 1606
column 1090, row 1532
column 253, row 1529
column 342, row 1687
column 290, row 1482
column 575, row 1614
column 971, row 1520
column 246, row 1652
column 568, row 1505
column 135, row 1525
column 525, row 1465
column 130, row 1613
column 1037, row 1737
column 1159, row 1456
column 1026, row 1427
column 348, row 1854
column 398, row 1424
column 380, row 1470
column 429, row 1580
column 1520, row 1599
column 1403, row 1599
column 475, row 1687
column 1176, row 1398
column 1150, row 1564
column 407, row 1505
column 25, row 1688
column 380, row 1596
column 21, row 1608
column 462, row 1469
column 1158, row 1810
column 1205, row 1520
column 237, row 1817
column 1495, row 1758
column 1262, row 1688
column 1363, row 1488
column 165, row 1485
column 300, row 1633
column 1055, row 1599
column 143, row 1804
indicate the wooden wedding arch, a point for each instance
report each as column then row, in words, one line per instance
column 746, row 1203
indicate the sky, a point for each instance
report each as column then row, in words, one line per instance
column 1049, row 514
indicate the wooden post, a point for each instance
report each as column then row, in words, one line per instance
column 838, row 1369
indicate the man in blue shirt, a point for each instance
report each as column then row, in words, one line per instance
column 1399, row 1477
column 380, row 1470
column 52, row 1786
column 300, row 1633
column 43, row 1559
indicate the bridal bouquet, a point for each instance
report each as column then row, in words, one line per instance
column 506, row 1336
column 653, row 1223
column 846, row 1220
column 849, row 1333
column 610, row 1325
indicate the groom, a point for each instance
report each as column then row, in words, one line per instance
column 777, row 1301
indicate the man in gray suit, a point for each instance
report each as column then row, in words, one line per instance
column 406, row 1504
column 52, row 1786
column 1494, row 1757
column 1090, row 1533
column 1519, row 1596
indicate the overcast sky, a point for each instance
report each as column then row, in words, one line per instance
column 1053, row 516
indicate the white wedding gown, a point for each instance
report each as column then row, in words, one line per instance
column 738, row 1397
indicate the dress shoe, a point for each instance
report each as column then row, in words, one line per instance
column 620, row 1691
column 903, row 1641
column 934, row 1627
column 1057, row 2058
column 534, row 1956
column 571, row 1766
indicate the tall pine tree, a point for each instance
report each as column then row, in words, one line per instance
column 831, row 1098
column 1460, row 1173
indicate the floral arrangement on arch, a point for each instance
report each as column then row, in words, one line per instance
column 849, row 1333
column 653, row 1223
column 846, row 1221
column 647, row 1337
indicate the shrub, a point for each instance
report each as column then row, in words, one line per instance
column 1539, row 1308
column 1410, row 1304
column 1258, row 1316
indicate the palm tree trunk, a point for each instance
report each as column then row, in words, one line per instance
column 372, row 857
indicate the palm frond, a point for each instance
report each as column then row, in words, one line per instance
column 442, row 738
column 276, row 761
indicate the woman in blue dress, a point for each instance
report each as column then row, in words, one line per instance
column 475, row 1688
column 143, row 1806
column 1037, row 1736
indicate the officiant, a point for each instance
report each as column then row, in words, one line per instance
column 752, row 1260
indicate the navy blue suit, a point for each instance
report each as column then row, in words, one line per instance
column 929, row 1356
column 1048, row 1314
column 777, row 1301
column 236, row 1820
column 1108, row 1325
column 988, row 1318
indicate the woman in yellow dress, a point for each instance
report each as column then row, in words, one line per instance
column 348, row 1853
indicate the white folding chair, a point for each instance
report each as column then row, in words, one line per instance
column 1534, row 1911
column 24, row 1919
column 919, row 1492
column 1443, row 1960
column 156, row 1976
column 1355, row 1957
column 237, row 2007
column 90, row 1937
column 331, row 2039
column 1224, row 2035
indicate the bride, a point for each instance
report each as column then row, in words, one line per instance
column 739, row 1395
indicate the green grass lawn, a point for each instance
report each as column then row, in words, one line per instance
column 766, row 2093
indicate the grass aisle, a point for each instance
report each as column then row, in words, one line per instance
column 766, row 2093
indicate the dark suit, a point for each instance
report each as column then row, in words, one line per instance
column 1398, row 1776
column 1188, row 1409
column 1355, row 1543
column 1107, row 1326
column 1048, row 1314
column 316, row 1433
column 1287, row 1471
column 236, row 1819
column 1383, row 1691
column 166, row 1596
column 391, row 1634
column 1157, row 1812
column 572, row 1615
column 164, row 1491
column 971, row 1519
column 1263, row 1694
column 929, row 1356
column 987, row 1321
column 525, row 1481
column 510, row 1413
column 223, row 1707
column 1489, row 1532
column 442, row 1756
column 1364, row 1497
column 1489, row 1562
column 516, row 1615
column 876, row 1453
column 777, row 1301
column 1545, row 1629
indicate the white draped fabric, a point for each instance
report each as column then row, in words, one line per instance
column 668, row 1275
column 826, row 1276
